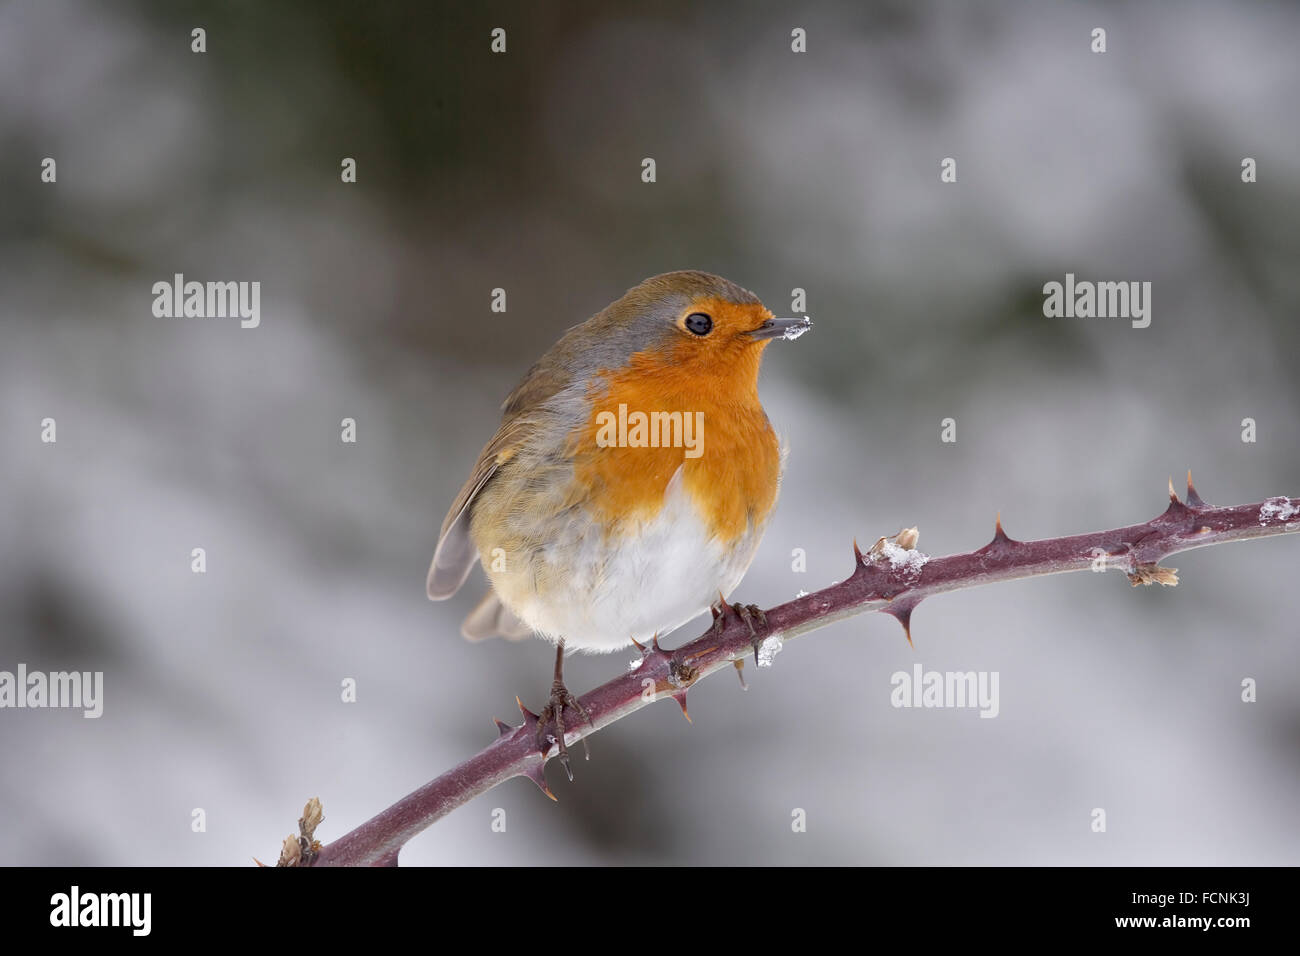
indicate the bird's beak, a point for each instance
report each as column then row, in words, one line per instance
column 788, row 329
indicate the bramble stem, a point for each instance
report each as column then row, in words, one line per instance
column 890, row 577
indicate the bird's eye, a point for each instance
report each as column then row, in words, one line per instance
column 699, row 323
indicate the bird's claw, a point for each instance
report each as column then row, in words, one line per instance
column 749, row 613
column 553, row 712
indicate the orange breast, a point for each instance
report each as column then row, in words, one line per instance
column 731, row 473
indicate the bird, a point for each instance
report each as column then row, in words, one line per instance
column 630, row 482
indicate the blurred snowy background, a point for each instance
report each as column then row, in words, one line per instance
column 778, row 170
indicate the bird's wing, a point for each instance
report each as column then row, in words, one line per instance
column 455, row 555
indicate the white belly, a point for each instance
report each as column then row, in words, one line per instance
column 643, row 585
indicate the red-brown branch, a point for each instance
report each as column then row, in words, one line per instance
column 889, row 578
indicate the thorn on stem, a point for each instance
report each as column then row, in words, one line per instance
column 902, row 611
column 680, row 697
column 1193, row 498
column 1000, row 537
column 740, row 672
column 1176, row 507
column 723, row 607
column 504, row 729
column 529, row 716
column 537, row 776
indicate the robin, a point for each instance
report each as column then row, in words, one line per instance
column 631, row 479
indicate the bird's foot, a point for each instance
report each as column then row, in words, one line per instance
column 553, row 713
column 749, row 613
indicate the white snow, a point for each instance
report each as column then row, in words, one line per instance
column 1277, row 509
column 910, row 560
column 768, row 650
column 794, row 331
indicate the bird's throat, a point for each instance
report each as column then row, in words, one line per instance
column 653, row 417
